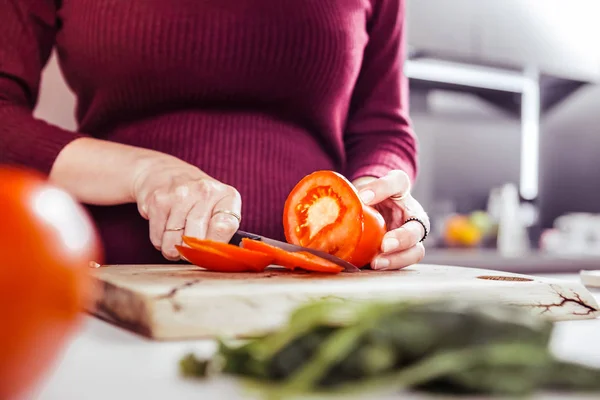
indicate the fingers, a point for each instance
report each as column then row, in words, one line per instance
column 197, row 220
column 395, row 183
column 401, row 247
column 403, row 238
column 189, row 209
column 158, row 207
column 183, row 200
column 399, row 259
column 222, row 225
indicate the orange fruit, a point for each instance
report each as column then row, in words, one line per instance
column 459, row 231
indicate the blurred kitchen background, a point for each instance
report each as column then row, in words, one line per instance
column 505, row 100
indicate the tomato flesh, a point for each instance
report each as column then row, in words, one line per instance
column 320, row 208
column 303, row 260
column 247, row 256
column 218, row 261
column 324, row 212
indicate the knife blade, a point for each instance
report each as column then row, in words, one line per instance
column 239, row 235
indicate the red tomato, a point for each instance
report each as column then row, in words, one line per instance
column 214, row 259
column 46, row 244
column 324, row 212
column 303, row 260
column 257, row 259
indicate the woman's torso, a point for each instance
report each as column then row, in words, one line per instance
column 255, row 93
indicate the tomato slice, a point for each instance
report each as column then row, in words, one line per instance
column 236, row 252
column 215, row 260
column 324, row 212
column 290, row 260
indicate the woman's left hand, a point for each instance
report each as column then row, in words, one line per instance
column 390, row 195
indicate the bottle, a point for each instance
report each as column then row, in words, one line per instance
column 513, row 239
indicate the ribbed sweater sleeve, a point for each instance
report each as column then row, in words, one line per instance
column 378, row 135
column 27, row 32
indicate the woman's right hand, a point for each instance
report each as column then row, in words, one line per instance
column 179, row 199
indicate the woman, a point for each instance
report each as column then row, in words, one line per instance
column 187, row 107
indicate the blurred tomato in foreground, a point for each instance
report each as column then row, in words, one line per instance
column 46, row 243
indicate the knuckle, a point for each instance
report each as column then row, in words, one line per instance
column 399, row 175
column 231, row 191
column 182, row 191
column 404, row 241
column 402, row 235
column 417, row 233
column 203, row 188
column 160, row 199
column 143, row 208
column 400, row 180
column 394, row 234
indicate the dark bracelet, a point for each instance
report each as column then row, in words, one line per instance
column 422, row 223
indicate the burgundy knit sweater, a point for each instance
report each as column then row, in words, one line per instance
column 257, row 93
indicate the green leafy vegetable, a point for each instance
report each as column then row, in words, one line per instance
column 449, row 347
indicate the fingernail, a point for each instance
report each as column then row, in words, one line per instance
column 390, row 244
column 367, row 196
column 381, row 263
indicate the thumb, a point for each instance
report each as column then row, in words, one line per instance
column 395, row 183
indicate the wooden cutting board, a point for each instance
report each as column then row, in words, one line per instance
column 185, row 302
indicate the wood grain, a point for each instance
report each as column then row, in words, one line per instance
column 166, row 302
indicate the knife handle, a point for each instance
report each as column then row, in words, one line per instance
column 239, row 235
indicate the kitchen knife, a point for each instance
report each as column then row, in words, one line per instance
column 239, row 235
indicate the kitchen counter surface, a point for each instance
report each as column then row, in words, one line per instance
column 106, row 362
column 531, row 263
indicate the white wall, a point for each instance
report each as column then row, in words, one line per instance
column 570, row 166
column 558, row 36
column 466, row 148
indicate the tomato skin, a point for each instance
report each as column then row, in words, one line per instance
column 303, row 260
column 255, row 258
column 357, row 233
column 47, row 241
column 213, row 259
column 310, row 262
column 370, row 242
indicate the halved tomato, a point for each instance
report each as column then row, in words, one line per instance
column 324, row 212
column 215, row 260
column 303, row 260
column 247, row 256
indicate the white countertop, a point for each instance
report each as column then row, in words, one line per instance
column 106, row 362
